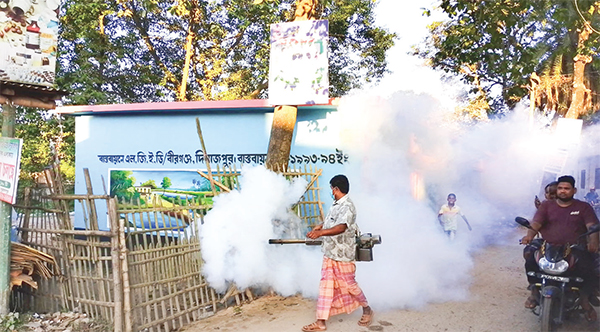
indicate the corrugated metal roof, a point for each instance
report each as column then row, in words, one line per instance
column 39, row 88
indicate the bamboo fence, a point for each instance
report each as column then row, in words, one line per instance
column 144, row 274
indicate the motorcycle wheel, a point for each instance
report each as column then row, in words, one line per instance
column 547, row 313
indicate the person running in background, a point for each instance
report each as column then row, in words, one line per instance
column 448, row 217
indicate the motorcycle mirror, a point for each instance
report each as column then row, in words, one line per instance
column 523, row 222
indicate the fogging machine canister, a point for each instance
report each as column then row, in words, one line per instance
column 364, row 245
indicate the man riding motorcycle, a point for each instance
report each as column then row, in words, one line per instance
column 561, row 222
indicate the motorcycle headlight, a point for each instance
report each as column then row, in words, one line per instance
column 553, row 268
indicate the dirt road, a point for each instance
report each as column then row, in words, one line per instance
column 496, row 304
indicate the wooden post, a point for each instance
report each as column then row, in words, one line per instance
column 284, row 117
column 8, row 130
column 124, row 268
column 26, row 215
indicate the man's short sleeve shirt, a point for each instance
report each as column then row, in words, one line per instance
column 562, row 225
column 341, row 247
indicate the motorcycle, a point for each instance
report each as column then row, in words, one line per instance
column 559, row 294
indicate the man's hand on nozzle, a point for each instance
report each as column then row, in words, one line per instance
column 314, row 234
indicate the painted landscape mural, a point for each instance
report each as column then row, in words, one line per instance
column 164, row 188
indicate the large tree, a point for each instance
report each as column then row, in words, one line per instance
column 135, row 50
column 46, row 139
column 497, row 46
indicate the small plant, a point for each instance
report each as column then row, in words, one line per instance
column 10, row 322
column 237, row 310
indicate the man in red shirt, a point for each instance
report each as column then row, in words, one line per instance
column 560, row 222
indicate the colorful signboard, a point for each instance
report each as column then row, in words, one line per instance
column 28, row 41
column 298, row 66
column 10, row 161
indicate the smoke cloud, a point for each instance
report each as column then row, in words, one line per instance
column 235, row 234
column 407, row 153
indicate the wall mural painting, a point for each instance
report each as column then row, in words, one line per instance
column 162, row 188
column 171, row 157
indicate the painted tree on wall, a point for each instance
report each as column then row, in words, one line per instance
column 498, row 46
column 135, row 51
column 166, row 183
column 122, row 185
column 150, row 183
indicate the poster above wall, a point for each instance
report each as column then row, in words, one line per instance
column 28, row 41
column 298, row 65
column 10, row 162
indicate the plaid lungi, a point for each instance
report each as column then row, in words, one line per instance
column 338, row 291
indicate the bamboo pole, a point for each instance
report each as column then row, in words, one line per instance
column 217, row 183
column 91, row 203
column 116, row 264
column 206, row 160
column 124, row 270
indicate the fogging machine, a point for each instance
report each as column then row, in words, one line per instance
column 364, row 245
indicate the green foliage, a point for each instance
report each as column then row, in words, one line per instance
column 46, row 138
column 10, row 322
column 122, row 185
column 115, row 51
column 507, row 40
column 150, row 183
column 165, row 183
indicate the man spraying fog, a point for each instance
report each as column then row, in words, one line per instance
column 338, row 290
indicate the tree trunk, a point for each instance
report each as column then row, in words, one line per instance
column 189, row 50
column 282, row 132
column 284, row 118
column 578, row 100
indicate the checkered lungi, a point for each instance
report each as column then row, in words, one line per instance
column 338, row 291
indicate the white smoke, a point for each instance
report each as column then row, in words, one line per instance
column 406, row 146
column 234, row 237
column 406, row 154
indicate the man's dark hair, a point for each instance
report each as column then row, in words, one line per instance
column 553, row 183
column 451, row 195
column 568, row 179
column 340, row 181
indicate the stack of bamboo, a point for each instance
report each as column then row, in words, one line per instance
column 25, row 262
